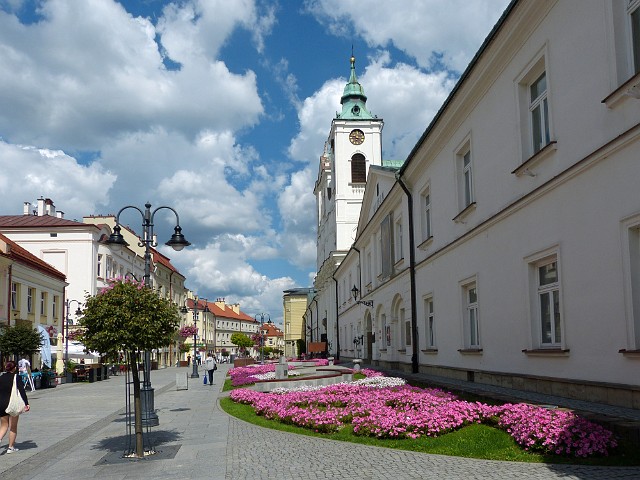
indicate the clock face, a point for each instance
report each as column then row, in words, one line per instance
column 356, row 137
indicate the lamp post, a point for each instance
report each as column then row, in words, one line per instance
column 194, row 373
column 177, row 242
column 66, row 335
column 262, row 322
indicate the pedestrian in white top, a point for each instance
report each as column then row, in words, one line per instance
column 210, row 366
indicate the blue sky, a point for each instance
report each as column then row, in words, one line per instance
column 218, row 108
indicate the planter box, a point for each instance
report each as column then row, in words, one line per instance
column 183, row 363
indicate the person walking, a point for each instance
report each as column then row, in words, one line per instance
column 188, row 360
column 210, row 366
column 8, row 422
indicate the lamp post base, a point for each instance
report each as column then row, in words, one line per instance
column 195, row 373
column 149, row 417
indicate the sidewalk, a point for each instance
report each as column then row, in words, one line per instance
column 77, row 431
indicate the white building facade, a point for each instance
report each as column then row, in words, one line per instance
column 507, row 249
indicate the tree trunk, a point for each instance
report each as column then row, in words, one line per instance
column 137, row 404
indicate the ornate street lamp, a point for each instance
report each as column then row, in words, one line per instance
column 262, row 322
column 177, row 242
column 194, row 373
column 354, row 293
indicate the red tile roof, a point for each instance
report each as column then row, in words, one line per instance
column 31, row 221
column 163, row 260
column 20, row 255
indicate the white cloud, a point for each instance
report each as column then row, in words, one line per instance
column 89, row 71
column 431, row 31
column 222, row 267
column 26, row 173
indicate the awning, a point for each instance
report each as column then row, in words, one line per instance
column 317, row 347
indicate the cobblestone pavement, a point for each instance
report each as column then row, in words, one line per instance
column 77, row 432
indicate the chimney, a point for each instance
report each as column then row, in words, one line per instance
column 50, row 208
column 220, row 303
column 59, row 214
column 27, row 208
column 236, row 308
column 41, row 207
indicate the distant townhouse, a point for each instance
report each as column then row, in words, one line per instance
column 32, row 294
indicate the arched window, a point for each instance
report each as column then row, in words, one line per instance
column 358, row 169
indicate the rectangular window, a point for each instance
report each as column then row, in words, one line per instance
column 472, row 325
column 407, row 328
column 55, row 306
column 430, row 322
column 100, row 265
column 426, row 219
column 549, row 304
column 386, row 245
column 109, row 272
column 30, row 292
column 398, row 241
column 43, row 303
column 467, row 174
column 14, row 296
column 539, row 108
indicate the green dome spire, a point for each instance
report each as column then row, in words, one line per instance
column 354, row 101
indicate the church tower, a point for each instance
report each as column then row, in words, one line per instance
column 353, row 145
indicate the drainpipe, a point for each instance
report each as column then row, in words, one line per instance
column 337, row 325
column 359, row 272
column 10, row 273
column 412, row 277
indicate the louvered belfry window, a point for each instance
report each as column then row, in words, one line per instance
column 358, row 169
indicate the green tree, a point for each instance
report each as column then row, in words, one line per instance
column 241, row 340
column 19, row 340
column 126, row 316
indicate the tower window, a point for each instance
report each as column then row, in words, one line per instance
column 358, row 169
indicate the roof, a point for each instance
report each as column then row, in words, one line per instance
column 163, row 260
column 35, row 221
column 354, row 101
column 215, row 309
column 465, row 75
column 20, row 255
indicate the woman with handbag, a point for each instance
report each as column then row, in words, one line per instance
column 10, row 381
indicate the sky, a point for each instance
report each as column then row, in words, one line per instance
column 218, row 109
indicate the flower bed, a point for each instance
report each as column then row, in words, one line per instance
column 388, row 408
column 253, row 373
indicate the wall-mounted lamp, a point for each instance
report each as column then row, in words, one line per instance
column 366, row 303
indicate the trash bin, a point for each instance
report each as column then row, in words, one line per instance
column 92, row 375
column 233, row 357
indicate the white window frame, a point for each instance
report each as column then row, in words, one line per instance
column 464, row 175
column 539, row 114
column 14, row 296
column 470, row 313
column 55, row 306
column 30, row 291
column 430, row 320
column 427, row 230
column 398, row 243
column 43, row 303
column 537, row 291
column 527, row 105
column 631, row 269
column 551, row 292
